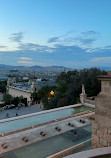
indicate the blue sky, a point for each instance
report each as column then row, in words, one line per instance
column 71, row 33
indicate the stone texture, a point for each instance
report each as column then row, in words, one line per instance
column 101, row 128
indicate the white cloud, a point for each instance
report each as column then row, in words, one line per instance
column 25, row 58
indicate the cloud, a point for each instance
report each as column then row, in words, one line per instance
column 34, row 47
column 3, row 46
column 68, row 50
column 32, row 63
column 87, row 41
column 101, row 59
column 59, row 38
column 53, row 39
column 84, row 38
column 87, row 38
column 25, row 62
column 108, row 47
column 90, row 33
column 16, row 37
column 25, row 58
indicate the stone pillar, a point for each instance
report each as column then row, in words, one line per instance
column 101, row 127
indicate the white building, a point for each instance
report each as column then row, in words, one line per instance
column 22, row 89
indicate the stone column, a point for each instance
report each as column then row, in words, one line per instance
column 101, row 127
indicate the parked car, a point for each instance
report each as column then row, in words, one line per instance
column 10, row 106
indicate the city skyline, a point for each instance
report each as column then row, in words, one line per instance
column 71, row 33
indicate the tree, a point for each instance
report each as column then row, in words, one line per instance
column 7, row 99
column 74, row 79
column 69, row 87
column 62, row 102
column 24, row 101
column 34, row 97
column 16, row 101
column 3, row 86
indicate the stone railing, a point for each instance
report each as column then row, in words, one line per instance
column 88, row 101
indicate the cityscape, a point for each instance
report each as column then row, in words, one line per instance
column 55, row 79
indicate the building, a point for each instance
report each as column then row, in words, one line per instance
column 101, row 132
column 24, row 89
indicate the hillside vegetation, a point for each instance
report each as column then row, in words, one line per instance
column 69, row 87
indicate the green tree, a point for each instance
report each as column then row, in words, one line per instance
column 34, row 97
column 7, row 99
column 3, row 86
column 16, row 101
column 69, row 87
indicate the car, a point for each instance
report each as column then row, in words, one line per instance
column 10, row 106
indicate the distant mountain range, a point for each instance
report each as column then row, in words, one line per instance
column 3, row 66
column 36, row 67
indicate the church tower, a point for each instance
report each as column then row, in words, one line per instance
column 34, row 87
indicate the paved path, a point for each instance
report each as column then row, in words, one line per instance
column 21, row 111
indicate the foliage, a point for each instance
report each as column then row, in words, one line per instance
column 7, row 98
column 44, row 91
column 43, row 94
column 69, row 87
column 16, row 100
column 2, row 105
column 3, row 86
column 24, row 101
column 34, row 97
column 44, row 79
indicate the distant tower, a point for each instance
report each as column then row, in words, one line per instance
column 34, row 87
column 14, row 80
column 9, row 82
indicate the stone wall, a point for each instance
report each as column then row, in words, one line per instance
column 15, row 92
column 101, row 131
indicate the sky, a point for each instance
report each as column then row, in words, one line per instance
column 70, row 33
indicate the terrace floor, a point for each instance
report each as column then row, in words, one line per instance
column 21, row 111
